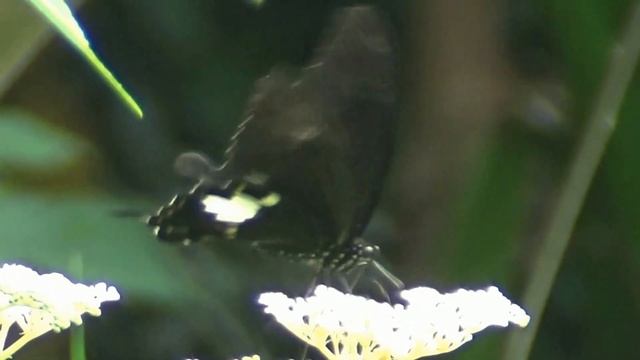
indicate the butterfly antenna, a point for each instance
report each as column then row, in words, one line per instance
column 140, row 216
column 127, row 213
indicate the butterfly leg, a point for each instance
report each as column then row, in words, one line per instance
column 358, row 272
column 395, row 282
column 382, row 290
column 313, row 283
column 344, row 283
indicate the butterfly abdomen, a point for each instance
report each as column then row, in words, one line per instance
column 347, row 256
column 333, row 257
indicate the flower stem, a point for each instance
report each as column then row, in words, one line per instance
column 600, row 125
column 76, row 343
column 4, row 331
column 76, row 338
column 20, row 342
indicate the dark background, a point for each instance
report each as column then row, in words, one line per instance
column 494, row 97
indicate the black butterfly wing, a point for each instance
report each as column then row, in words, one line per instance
column 322, row 139
column 184, row 218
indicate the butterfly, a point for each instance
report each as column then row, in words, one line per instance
column 304, row 170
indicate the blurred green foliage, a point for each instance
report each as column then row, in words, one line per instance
column 71, row 157
column 30, row 143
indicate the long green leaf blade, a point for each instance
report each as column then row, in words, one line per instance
column 59, row 14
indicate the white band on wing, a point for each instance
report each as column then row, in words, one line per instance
column 239, row 208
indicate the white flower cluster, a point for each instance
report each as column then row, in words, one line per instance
column 343, row 326
column 41, row 303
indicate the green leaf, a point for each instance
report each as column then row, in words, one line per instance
column 31, row 144
column 59, row 14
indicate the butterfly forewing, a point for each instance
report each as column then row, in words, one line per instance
column 322, row 137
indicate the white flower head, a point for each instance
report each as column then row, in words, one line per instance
column 42, row 303
column 345, row 326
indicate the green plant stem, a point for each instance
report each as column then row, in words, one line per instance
column 77, row 343
column 76, row 338
column 599, row 127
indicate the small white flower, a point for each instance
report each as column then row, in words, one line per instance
column 344, row 326
column 42, row 303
